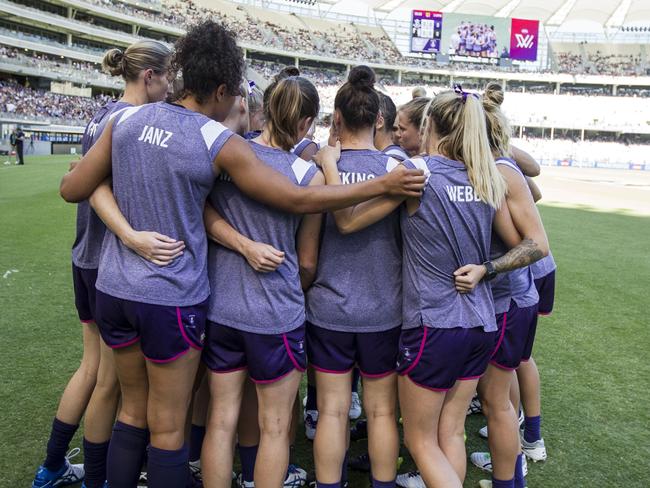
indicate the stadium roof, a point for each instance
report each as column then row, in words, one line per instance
column 606, row 13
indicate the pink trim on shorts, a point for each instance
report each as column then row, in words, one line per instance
column 377, row 375
column 183, row 333
column 90, row 321
column 125, row 344
column 430, row 388
column 290, row 354
column 273, row 380
column 330, row 371
column 470, row 378
column 503, row 333
column 226, row 371
column 501, row 366
column 173, row 358
column 418, row 357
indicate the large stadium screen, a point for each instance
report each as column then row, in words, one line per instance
column 475, row 37
column 426, row 30
column 479, row 38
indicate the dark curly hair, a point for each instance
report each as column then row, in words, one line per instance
column 208, row 56
column 357, row 99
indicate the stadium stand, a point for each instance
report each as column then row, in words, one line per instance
column 43, row 41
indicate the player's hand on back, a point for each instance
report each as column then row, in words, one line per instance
column 263, row 258
column 328, row 155
column 152, row 246
column 402, row 182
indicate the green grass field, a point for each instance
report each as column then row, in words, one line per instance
column 592, row 353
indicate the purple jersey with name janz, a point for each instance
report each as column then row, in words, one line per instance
column 358, row 285
column 395, row 151
column 544, row 266
column 242, row 298
column 451, row 228
column 517, row 285
column 90, row 228
column 162, row 174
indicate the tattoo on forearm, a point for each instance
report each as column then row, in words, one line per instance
column 524, row 254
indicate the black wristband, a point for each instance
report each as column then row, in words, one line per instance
column 491, row 271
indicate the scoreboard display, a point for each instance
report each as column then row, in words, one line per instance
column 426, row 31
column 473, row 38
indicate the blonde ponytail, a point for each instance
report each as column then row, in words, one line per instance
column 483, row 174
column 498, row 127
column 457, row 121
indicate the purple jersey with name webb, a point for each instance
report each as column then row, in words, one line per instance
column 242, row 298
column 162, row 174
column 90, row 228
column 358, row 285
column 451, row 228
column 517, row 285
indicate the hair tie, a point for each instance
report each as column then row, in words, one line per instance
column 459, row 90
column 251, row 85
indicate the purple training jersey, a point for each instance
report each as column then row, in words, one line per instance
column 242, row 298
column 162, row 174
column 543, row 267
column 517, row 285
column 358, row 285
column 90, row 228
column 395, row 151
column 301, row 146
column 451, row 228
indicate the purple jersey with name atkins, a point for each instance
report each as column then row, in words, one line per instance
column 518, row 284
column 451, row 228
column 242, row 298
column 162, row 174
column 90, row 228
column 358, row 285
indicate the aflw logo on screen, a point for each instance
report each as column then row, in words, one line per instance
column 524, row 36
column 525, row 41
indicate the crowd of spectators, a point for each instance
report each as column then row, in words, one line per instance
column 600, row 64
column 347, row 41
column 71, row 69
column 24, row 102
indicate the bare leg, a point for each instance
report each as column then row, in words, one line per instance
column 226, row 391
column 529, row 386
column 102, row 408
column 421, row 413
column 276, row 401
column 330, row 442
column 494, row 388
column 451, row 431
column 380, row 399
column 80, row 387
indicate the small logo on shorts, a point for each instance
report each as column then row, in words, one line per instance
column 300, row 345
column 406, row 352
column 191, row 318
